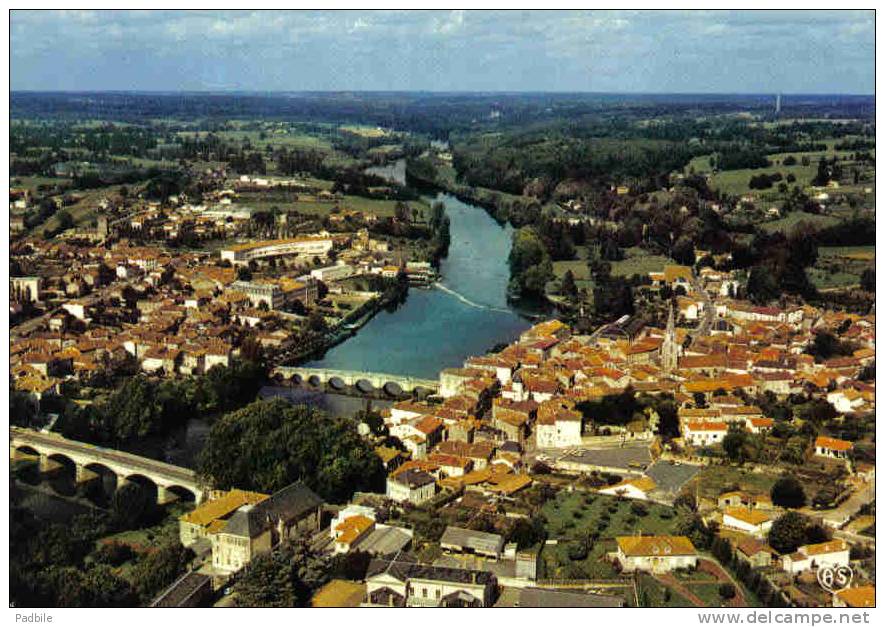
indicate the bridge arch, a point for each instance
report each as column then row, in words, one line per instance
column 180, row 494
column 337, row 383
column 143, row 483
column 314, row 381
column 61, row 473
column 25, row 450
column 392, row 388
column 106, row 480
column 101, row 468
column 65, row 460
column 364, row 385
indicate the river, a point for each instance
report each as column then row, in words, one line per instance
column 466, row 314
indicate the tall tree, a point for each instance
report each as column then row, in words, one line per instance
column 271, row 443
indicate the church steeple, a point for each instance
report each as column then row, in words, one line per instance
column 670, row 349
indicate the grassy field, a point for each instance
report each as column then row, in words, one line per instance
column 366, row 131
column 636, row 261
column 284, row 138
column 652, row 593
column 83, row 211
column 857, row 253
column 380, row 208
column 841, row 266
column 787, row 223
column 571, row 517
column 737, row 182
column 713, row 480
column 32, row 182
column 639, row 261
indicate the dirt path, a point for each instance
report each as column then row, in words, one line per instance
column 671, row 582
column 722, row 576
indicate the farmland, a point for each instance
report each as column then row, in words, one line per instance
column 575, row 517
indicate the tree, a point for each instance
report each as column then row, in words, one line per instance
column 788, row 492
column 401, row 211
column 683, row 251
column 826, row 345
column 132, row 410
column 792, row 530
column 244, row 273
column 316, row 321
column 726, row 591
column 269, row 581
column 569, row 289
column 761, row 285
column 269, row 444
column 734, row 442
column 22, row 408
column 157, row 569
column 133, row 507
column 530, row 265
column 65, row 220
column 868, row 280
column 527, row 532
column 286, row 577
column 823, row 173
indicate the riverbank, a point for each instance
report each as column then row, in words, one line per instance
column 466, row 313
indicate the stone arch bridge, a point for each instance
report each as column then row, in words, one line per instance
column 362, row 381
column 171, row 481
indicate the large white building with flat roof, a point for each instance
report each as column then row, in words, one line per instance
column 244, row 253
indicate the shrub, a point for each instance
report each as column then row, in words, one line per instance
column 639, row 508
column 114, row 554
column 727, row 591
column 578, row 551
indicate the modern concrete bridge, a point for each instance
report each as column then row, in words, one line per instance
column 364, row 381
column 170, row 481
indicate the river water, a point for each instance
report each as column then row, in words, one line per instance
column 466, row 314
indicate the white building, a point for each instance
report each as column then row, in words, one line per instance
column 411, row 485
column 705, row 433
column 832, row 447
column 332, row 273
column 560, row 430
column 752, row 521
column 401, row 583
column 309, row 246
column 845, row 401
column 637, row 488
column 810, row 556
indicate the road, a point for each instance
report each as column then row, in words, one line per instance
column 706, row 324
column 837, row 517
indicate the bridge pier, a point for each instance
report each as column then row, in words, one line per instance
column 165, row 496
column 47, row 465
column 84, row 475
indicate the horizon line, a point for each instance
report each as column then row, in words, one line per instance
column 434, row 91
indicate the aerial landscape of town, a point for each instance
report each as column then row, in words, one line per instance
column 414, row 347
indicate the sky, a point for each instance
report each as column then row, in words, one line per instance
column 818, row 52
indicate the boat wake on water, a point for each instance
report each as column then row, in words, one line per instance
column 467, row 301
